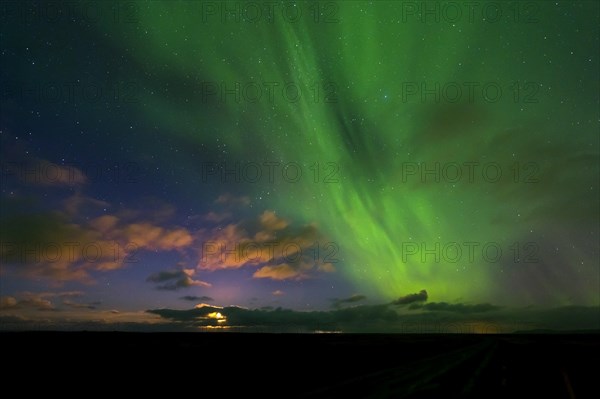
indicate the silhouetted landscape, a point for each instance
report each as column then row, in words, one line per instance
column 522, row 365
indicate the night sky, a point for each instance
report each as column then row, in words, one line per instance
column 342, row 166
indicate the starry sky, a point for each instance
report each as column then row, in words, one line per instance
column 347, row 166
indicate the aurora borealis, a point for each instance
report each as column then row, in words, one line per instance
column 343, row 161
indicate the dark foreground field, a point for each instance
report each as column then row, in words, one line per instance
column 319, row 365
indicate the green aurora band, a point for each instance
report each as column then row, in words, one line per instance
column 374, row 134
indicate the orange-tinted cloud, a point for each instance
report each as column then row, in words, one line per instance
column 270, row 243
column 52, row 245
column 79, row 203
column 270, row 221
column 29, row 302
column 278, row 272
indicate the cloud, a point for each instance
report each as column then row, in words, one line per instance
column 456, row 308
column 337, row 303
column 42, row 301
column 326, row 268
column 193, row 298
column 271, row 244
column 166, row 275
column 79, row 203
column 176, row 279
column 62, row 175
column 55, row 245
column 41, row 245
column 411, row 298
column 42, row 172
column 8, row 302
column 77, row 305
column 104, row 224
column 270, row 221
column 68, row 294
column 281, row 319
column 89, row 320
column 228, row 199
column 278, row 293
column 216, row 217
column 150, row 236
column 31, row 302
column 279, row 272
